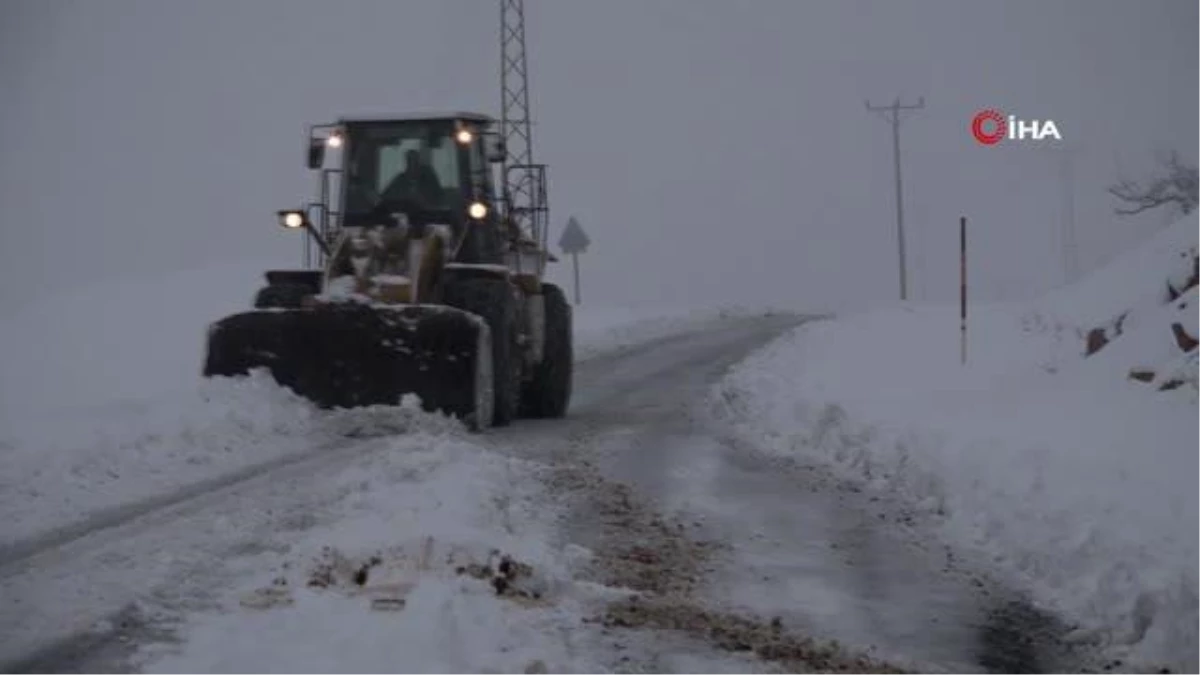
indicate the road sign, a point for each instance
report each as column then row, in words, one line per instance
column 573, row 240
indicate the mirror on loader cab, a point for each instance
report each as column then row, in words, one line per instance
column 316, row 153
column 496, row 152
column 316, row 148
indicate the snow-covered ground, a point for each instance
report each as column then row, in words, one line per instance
column 1065, row 476
column 102, row 403
column 391, row 567
column 102, row 409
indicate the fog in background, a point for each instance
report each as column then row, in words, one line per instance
column 715, row 151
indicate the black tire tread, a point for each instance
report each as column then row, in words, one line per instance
column 548, row 392
column 497, row 302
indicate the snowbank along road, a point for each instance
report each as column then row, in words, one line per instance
column 696, row 550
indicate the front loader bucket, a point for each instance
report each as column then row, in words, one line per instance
column 345, row 355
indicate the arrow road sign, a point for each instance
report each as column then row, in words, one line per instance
column 573, row 240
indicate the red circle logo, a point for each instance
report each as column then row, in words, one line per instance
column 989, row 127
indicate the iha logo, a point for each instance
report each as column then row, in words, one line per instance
column 990, row 126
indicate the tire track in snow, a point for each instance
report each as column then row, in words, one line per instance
column 16, row 557
column 48, row 624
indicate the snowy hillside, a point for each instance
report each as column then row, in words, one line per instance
column 1070, row 478
column 1134, row 318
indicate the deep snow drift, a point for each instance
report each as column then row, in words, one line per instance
column 1067, row 477
column 102, row 403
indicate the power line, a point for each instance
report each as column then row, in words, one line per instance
column 892, row 113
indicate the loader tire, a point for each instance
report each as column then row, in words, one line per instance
column 548, row 392
column 286, row 296
column 482, row 415
column 496, row 302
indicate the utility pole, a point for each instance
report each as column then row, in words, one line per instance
column 892, row 113
column 962, row 288
column 1066, row 154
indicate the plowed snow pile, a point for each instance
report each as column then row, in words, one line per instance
column 432, row 556
column 1064, row 453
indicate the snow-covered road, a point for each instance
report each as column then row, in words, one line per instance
column 86, row 590
column 793, row 540
column 739, row 553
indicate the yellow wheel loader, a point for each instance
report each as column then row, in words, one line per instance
column 418, row 279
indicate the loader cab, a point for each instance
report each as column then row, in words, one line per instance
column 413, row 171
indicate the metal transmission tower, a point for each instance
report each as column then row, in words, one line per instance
column 892, row 114
column 524, row 181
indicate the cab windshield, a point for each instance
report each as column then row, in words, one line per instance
column 410, row 168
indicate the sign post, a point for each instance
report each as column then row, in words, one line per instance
column 575, row 264
column 962, row 286
column 573, row 242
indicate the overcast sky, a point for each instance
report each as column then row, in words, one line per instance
column 715, row 151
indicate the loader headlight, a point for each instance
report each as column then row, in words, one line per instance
column 291, row 219
column 334, row 140
column 464, row 136
column 477, row 210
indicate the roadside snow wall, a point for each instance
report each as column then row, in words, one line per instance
column 1065, row 476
